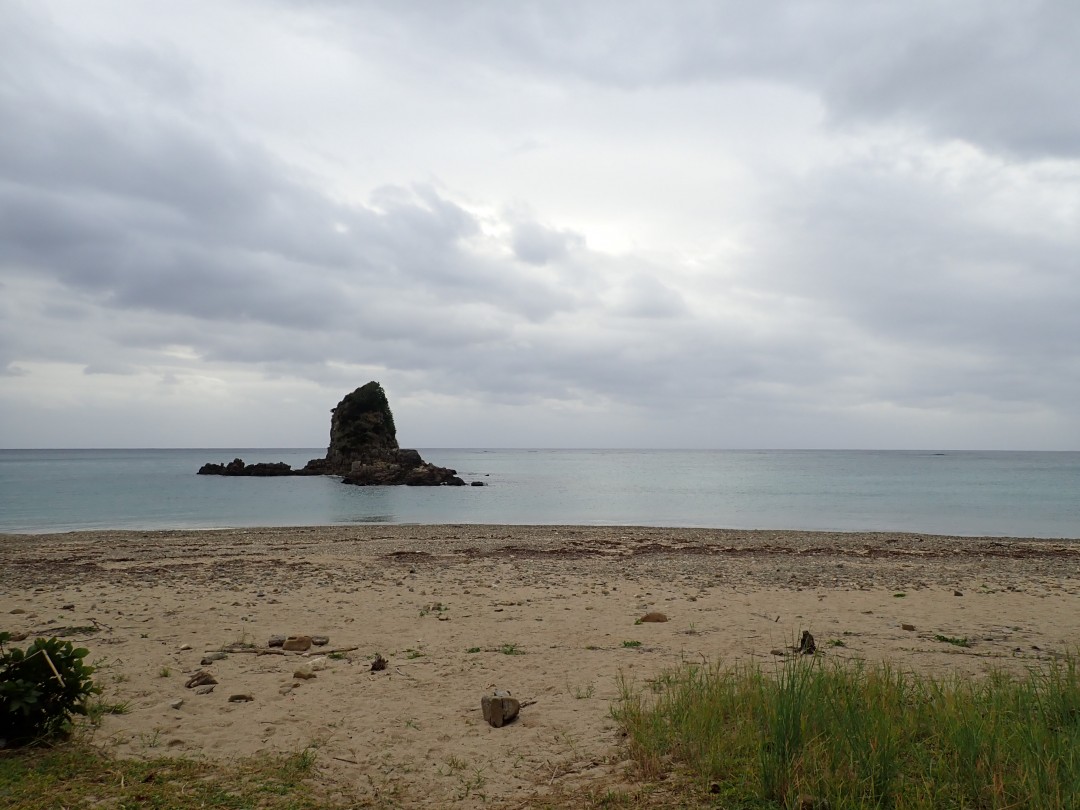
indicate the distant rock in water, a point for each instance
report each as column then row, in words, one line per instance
column 238, row 467
column 363, row 449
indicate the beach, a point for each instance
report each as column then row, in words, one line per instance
column 549, row 613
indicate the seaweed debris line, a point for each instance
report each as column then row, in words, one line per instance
column 363, row 449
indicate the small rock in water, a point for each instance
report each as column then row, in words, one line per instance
column 297, row 644
column 320, row 641
column 653, row 617
column 499, row 708
column 243, row 698
column 275, row 641
column 205, row 689
column 200, row 678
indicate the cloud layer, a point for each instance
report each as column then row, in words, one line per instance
column 632, row 224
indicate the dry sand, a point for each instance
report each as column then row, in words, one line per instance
column 543, row 611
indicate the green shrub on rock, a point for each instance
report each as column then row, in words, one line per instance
column 41, row 688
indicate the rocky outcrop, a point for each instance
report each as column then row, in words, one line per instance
column 238, row 467
column 399, row 467
column 363, row 449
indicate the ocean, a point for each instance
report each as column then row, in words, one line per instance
column 1025, row 494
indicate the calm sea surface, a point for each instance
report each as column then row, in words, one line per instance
column 967, row 493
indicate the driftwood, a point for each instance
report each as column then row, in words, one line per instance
column 278, row 651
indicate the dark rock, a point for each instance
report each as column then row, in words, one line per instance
column 477, row 484
column 363, row 450
column 275, row 641
column 242, row 698
column 238, row 467
column 320, row 641
column 361, row 424
column 379, row 664
column 499, row 708
column 909, row 627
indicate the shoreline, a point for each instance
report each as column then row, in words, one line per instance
column 544, row 611
column 23, row 532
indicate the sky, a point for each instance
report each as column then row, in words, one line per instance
column 617, row 223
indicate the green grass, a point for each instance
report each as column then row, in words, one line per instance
column 631, row 643
column 511, row 649
column 76, row 774
column 859, row 736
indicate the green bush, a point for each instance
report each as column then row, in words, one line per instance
column 41, row 688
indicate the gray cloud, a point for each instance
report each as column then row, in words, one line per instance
column 994, row 73
column 154, row 240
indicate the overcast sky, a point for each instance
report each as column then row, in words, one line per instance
column 541, row 224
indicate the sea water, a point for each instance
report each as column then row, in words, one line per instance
column 1034, row 494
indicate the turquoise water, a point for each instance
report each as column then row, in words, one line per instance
column 968, row 493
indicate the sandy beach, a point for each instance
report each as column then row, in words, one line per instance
column 546, row 612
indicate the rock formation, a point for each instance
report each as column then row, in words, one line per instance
column 363, row 449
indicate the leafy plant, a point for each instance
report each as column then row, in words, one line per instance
column 631, row 643
column 41, row 688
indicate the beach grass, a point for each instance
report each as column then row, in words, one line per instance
column 76, row 774
column 809, row 733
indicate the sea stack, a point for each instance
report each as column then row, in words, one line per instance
column 363, row 449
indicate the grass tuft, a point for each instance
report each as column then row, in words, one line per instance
column 850, row 735
column 76, row 774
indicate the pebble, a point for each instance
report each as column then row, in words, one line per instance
column 212, row 657
column 320, row 641
column 275, row 641
column 304, row 673
column 176, row 704
column 184, row 647
column 499, row 708
column 908, row 627
column 242, row 698
column 297, row 644
column 205, row 689
column 653, row 617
